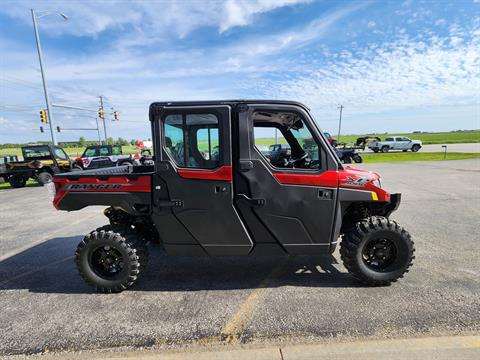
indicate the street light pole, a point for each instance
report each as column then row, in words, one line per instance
column 339, row 122
column 40, row 60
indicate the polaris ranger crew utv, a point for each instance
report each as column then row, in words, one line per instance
column 212, row 192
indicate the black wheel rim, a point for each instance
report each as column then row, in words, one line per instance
column 107, row 262
column 379, row 254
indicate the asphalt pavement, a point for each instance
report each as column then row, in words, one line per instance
column 203, row 301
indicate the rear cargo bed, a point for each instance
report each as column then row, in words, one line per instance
column 126, row 187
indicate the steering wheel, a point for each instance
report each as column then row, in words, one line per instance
column 291, row 162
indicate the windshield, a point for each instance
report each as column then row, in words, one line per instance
column 35, row 152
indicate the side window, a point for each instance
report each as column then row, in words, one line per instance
column 60, row 154
column 116, row 150
column 192, row 140
column 90, row 152
column 285, row 140
column 269, row 140
column 104, row 151
column 208, row 143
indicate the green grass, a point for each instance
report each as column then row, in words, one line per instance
column 71, row 151
column 7, row 185
column 408, row 156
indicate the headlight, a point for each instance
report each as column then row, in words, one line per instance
column 377, row 183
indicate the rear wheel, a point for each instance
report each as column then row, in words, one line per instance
column 385, row 149
column 377, row 251
column 415, row 148
column 44, row 178
column 111, row 258
column 357, row 158
column 17, row 181
column 129, row 163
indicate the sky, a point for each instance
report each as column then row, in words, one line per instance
column 395, row 66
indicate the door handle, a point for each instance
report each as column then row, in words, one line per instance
column 221, row 189
column 251, row 201
column 325, row 194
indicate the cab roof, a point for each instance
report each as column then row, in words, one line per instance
column 232, row 103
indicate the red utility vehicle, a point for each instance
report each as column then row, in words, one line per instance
column 212, row 192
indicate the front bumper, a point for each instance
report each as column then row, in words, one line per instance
column 387, row 208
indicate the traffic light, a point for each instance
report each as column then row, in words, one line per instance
column 101, row 114
column 116, row 115
column 41, row 129
column 43, row 116
column 58, row 128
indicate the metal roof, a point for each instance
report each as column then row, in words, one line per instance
column 227, row 102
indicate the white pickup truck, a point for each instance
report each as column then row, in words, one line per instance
column 395, row 143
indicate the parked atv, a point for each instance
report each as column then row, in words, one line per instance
column 348, row 155
column 40, row 163
column 212, row 192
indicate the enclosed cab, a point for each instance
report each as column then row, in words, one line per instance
column 211, row 191
column 103, row 156
column 40, row 163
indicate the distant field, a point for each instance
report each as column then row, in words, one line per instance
column 420, row 156
column 429, row 138
column 426, row 138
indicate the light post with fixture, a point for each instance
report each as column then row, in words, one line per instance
column 36, row 16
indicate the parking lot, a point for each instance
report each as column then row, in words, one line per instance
column 46, row 306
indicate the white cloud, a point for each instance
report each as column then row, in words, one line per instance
column 403, row 74
column 88, row 18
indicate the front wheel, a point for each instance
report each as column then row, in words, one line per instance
column 347, row 159
column 385, row 149
column 377, row 251
column 111, row 258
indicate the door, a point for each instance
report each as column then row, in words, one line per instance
column 399, row 143
column 295, row 198
column 62, row 158
column 193, row 189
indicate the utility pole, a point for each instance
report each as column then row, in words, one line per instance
column 339, row 122
column 102, row 116
column 83, row 109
